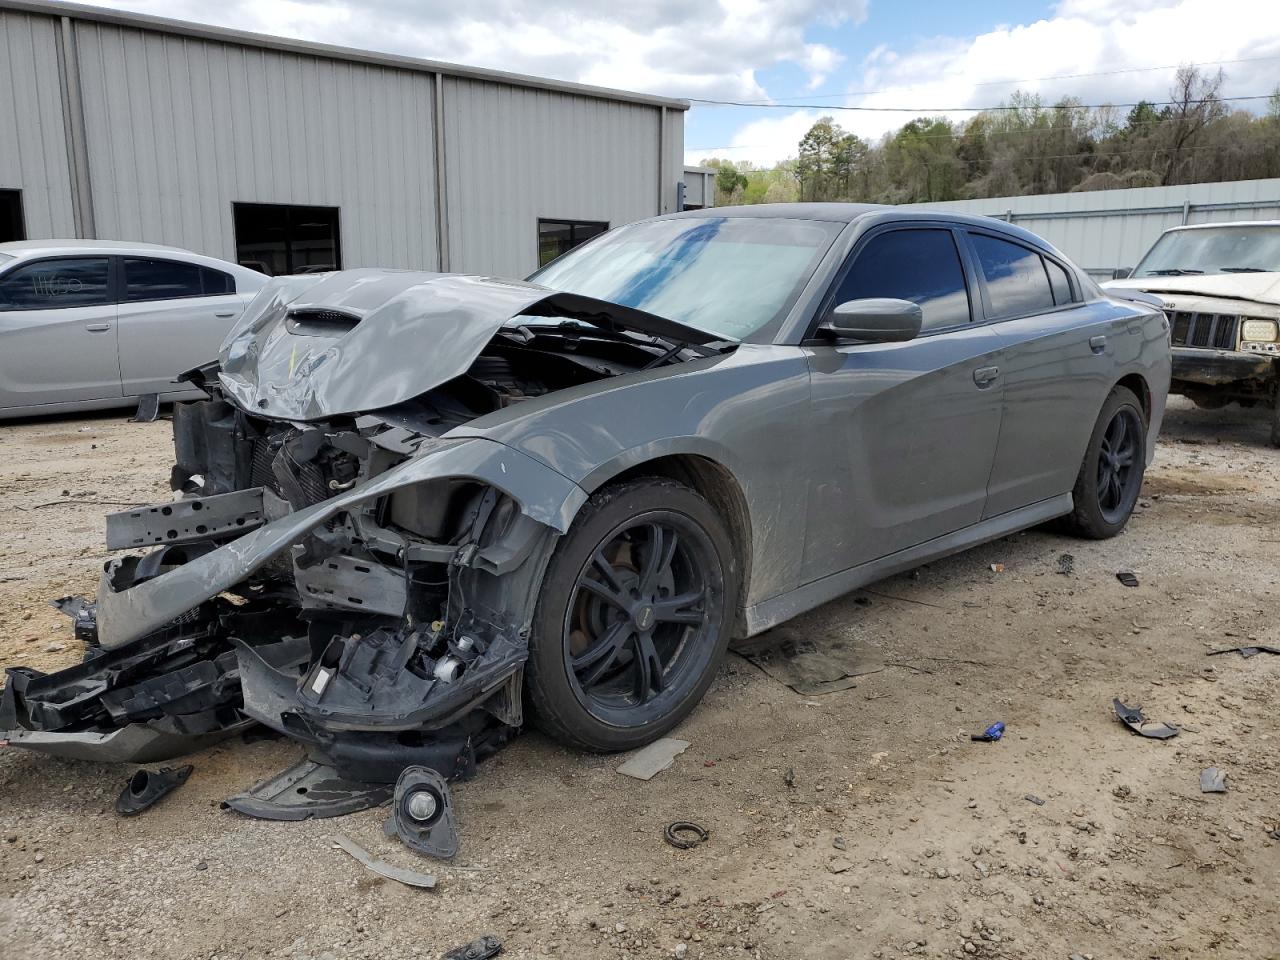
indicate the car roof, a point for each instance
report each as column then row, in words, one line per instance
column 34, row 249
column 1226, row 223
column 873, row 213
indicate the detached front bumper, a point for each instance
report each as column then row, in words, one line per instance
column 1210, row 367
column 195, row 642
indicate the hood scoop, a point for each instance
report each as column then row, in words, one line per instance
column 320, row 322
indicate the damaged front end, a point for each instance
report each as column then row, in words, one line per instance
column 360, row 582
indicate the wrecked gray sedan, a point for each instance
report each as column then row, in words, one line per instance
column 418, row 507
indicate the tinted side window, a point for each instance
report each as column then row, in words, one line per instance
column 922, row 266
column 51, row 284
column 148, row 279
column 1059, row 282
column 1016, row 281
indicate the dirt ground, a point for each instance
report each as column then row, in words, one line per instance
column 899, row 838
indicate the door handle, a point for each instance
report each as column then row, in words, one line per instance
column 97, row 327
column 985, row 376
column 224, row 314
column 1098, row 344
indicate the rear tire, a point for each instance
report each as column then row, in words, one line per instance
column 1110, row 477
column 634, row 617
column 1275, row 419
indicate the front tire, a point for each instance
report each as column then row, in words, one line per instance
column 634, row 616
column 1110, row 477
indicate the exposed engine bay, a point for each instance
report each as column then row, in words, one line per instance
column 358, row 581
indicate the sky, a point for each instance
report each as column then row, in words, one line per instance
column 807, row 56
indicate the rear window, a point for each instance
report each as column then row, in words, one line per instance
column 1016, row 280
column 56, row 284
column 157, row 279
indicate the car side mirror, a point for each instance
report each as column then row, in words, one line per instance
column 1121, row 273
column 874, row 320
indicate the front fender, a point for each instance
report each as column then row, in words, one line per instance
column 543, row 494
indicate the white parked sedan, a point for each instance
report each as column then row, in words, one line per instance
column 87, row 324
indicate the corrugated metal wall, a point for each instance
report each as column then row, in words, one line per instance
column 33, row 136
column 513, row 155
column 1104, row 230
column 699, row 187
column 179, row 129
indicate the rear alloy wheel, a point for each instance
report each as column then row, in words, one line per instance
column 1110, row 477
column 634, row 617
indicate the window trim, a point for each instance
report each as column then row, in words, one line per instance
column 124, row 280
column 564, row 222
column 827, row 303
column 988, row 310
column 114, row 274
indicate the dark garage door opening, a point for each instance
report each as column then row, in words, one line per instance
column 277, row 238
column 11, row 225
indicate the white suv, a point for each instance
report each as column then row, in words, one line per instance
column 1220, row 286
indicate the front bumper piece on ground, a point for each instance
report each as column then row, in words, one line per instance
column 182, row 655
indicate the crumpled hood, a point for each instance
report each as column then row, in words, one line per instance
column 1260, row 287
column 321, row 345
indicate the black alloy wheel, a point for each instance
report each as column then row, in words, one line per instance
column 1119, row 456
column 634, row 616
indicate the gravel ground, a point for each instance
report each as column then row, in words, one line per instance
column 899, row 837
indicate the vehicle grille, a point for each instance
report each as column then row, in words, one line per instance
column 1192, row 329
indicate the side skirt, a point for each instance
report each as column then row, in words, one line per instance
column 769, row 613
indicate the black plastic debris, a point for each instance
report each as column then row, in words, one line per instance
column 1127, row 578
column 481, row 949
column 306, row 790
column 148, row 409
column 146, row 787
column 83, row 615
column 1213, row 780
column 1034, row 799
column 1246, row 652
column 989, row 735
column 422, row 814
column 1066, row 564
column 684, row 835
column 1132, row 718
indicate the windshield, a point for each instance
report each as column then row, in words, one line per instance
column 1213, row 250
column 732, row 276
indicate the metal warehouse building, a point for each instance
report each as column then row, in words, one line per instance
column 293, row 156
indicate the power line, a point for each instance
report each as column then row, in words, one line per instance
column 927, row 111
column 1000, row 83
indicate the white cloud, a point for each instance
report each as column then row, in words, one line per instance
column 1083, row 37
column 763, row 142
column 711, row 50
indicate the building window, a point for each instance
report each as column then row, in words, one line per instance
column 276, row 238
column 11, row 225
column 560, row 236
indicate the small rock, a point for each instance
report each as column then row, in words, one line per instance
column 680, row 950
column 839, row 865
column 839, row 843
column 202, row 866
column 941, row 873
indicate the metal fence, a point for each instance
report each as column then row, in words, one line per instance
column 1106, row 230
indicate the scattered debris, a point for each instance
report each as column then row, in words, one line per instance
column 410, row 878
column 1036, row 800
column 808, row 667
column 997, row 568
column 1066, row 564
column 481, row 949
column 1246, row 652
column 840, row 865
column 683, row 835
column 1213, row 780
column 839, row 843
column 422, row 813
column 1127, row 578
column 307, row 789
column 1132, row 718
column 789, row 778
column 148, row 409
column 146, row 787
column 652, row 760
column 991, row 734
